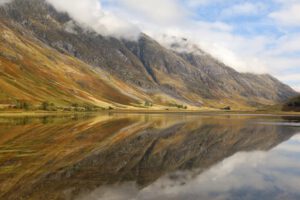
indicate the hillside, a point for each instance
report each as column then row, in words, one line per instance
column 49, row 57
column 33, row 72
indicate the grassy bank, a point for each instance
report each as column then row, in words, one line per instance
column 143, row 111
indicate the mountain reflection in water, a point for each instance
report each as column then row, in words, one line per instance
column 136, row 156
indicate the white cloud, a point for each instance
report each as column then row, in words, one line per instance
column 288, row 43
column 297, row 88
column 196, row 3
column 91, row 14
column 288, row 15
column 265, row 171
column 157, row 11
column 2, row 2
column 290, row 77
column 218, row 40
column 243, row 9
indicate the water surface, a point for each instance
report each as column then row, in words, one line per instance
column 150, row 157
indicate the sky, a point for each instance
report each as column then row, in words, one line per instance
column 257, row 36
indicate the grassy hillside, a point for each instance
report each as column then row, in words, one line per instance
column 33, row 73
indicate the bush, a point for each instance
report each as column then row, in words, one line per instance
column 88, row 108
column 75, row 105
column 48, row 106
column 21, row 104
column 148, row 104
column 179, row 106
column 227, row 108
column 45, row 105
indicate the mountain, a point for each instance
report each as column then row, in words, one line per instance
column 45, row 55
column 34, row 72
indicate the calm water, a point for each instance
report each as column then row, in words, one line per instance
column 150, row 157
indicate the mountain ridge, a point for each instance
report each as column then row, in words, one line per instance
column 150, row 71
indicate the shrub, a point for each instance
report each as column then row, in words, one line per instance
column 227, row 108
column 148, row 104
column 21, row 104
column 179, row 106
column 48, row 106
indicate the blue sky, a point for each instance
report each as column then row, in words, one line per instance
column 250, row 36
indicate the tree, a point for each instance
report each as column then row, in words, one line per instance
column 148, row 104
column 227, row 108
column 26, row 105
column 45, row 105
column 21, row 104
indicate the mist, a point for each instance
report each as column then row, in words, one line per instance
column 90, row 14
column 2, row 2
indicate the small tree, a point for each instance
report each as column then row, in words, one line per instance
column 88, row 108
column 228, row 108
column 45, row 105
column 75, row 105
column 148, row 104
column 26, row 105
column 21, row 104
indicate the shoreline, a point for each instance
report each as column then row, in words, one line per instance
column 191, row 112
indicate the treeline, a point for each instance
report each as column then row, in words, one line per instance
column 180, row 106
column 50, row 106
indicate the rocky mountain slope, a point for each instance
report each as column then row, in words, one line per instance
column 138, row 71
column 31, row 71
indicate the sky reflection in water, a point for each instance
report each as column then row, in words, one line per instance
column 246, row 175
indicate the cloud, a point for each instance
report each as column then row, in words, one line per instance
column 271, row 173
column 196, row 3
column 294, row 79
column 297, row 88
column 2, row 2
column 91, row 14
column 157, row 11
column 266, row 172
column 243, row 9
column 218, row 40
column 288, row 15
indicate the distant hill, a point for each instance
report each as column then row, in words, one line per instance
column 41, row 59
